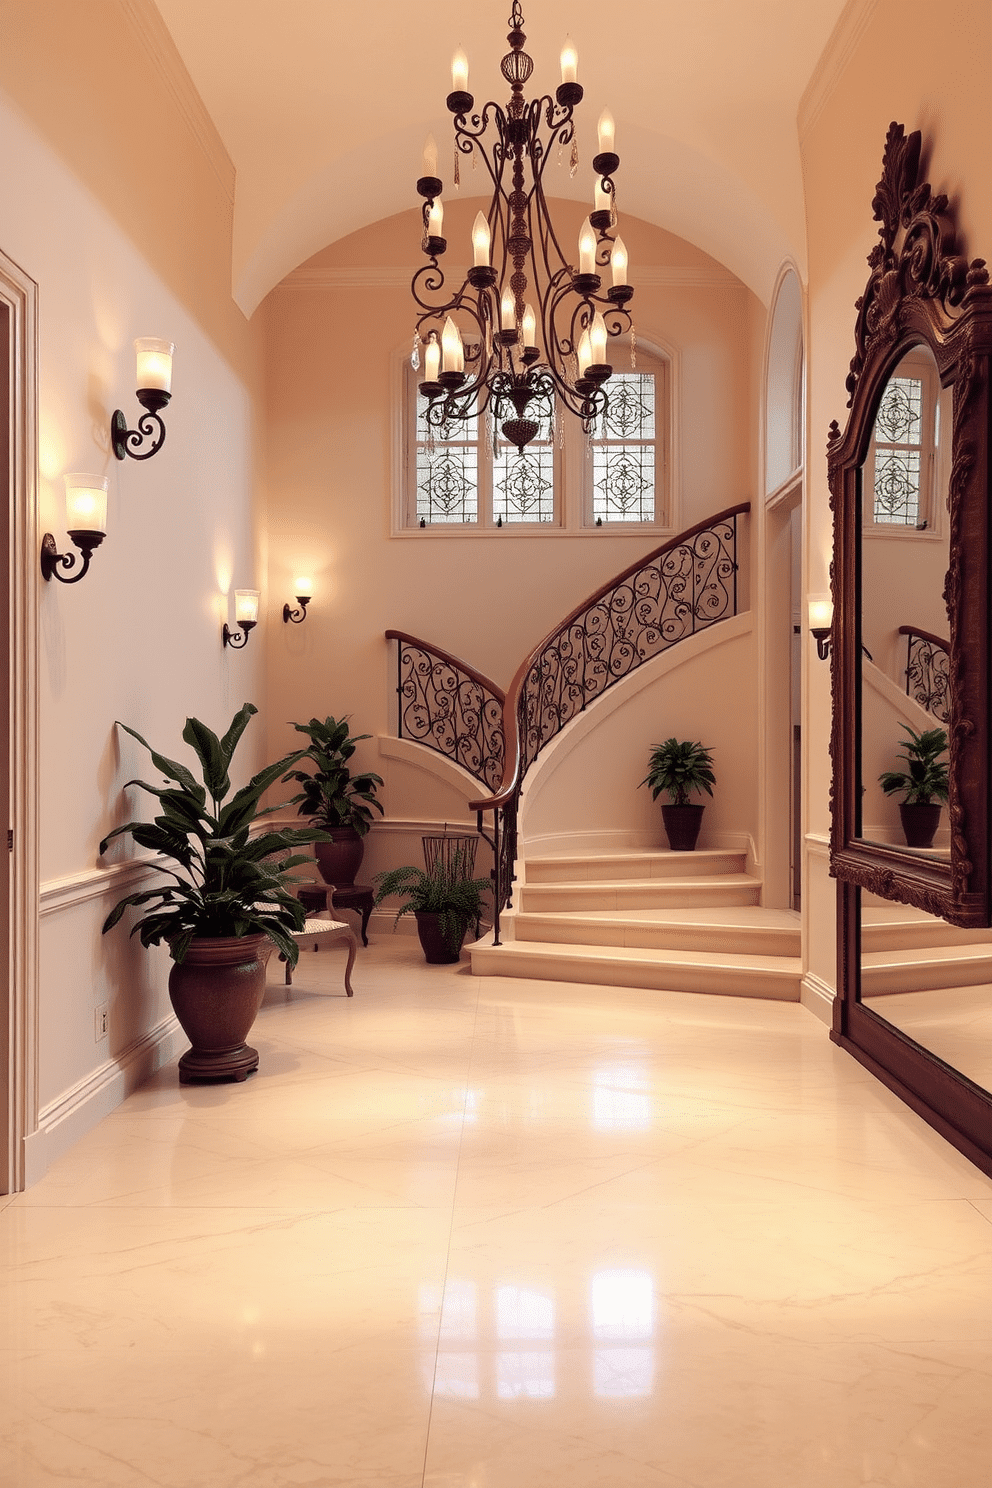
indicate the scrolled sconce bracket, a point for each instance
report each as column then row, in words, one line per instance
column 821, row 634
column 296, row 616
column 238, row 638
column 52, row 559
column 127, row 441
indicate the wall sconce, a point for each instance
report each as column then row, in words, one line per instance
column 154, row 379
column 86, row 524
column 821, row 617
column 304, row 594
column 245, row 615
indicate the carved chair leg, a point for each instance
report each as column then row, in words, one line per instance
column 352, row 943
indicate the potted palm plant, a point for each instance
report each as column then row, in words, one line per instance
column 924, row 784
column 339, row 803
column 443, row 901
column 680, row 768
column 228, row 902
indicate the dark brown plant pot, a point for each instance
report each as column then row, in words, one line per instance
column 438, row 947
column 682, row 824
column 340, row 859
column 919, row 822
column 216, row 993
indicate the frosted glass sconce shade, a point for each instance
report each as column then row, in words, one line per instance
column 86, row 524
column 304, row 594
column 245, row 615
column 153, row 376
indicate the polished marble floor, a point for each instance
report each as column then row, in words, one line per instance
column 476, row 1233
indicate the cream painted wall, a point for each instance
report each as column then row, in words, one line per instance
column 334, row 330
column 895, row 63
column 139, row 638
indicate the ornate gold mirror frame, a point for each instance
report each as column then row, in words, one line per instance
column 921, row 292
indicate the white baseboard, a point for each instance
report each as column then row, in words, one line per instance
column 78, row 1110
column 817, row 996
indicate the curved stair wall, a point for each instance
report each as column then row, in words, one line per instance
column 583, row 793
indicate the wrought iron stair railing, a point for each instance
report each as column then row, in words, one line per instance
column 449, row 707
column 928, row 663
column 683, row 587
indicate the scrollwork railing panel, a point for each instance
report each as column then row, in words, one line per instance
column 449, row 707
column 928, row 677
column 684, row 589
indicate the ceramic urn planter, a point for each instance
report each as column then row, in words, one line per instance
column 216, row 993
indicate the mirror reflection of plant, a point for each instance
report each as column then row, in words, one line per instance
column 926, row 778
column 331, row 795
column 679, row 767
column 440, row 890
column 230, row 884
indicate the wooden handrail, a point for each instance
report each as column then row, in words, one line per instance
column 925, row 635
column 511, row 732
column 450, row 659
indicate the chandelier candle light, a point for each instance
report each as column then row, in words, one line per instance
column 536, row 329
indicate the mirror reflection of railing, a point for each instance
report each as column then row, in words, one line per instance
column 928, row 671
column 680, row 589
column 449, row 707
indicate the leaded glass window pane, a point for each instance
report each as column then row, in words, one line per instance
column 897, row 486
column 523, row 482
column 623, row 482
column 623, row 452
column 898, row 440
column 631, row 411
column 447, row 471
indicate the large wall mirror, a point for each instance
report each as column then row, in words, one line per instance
column 909, row 481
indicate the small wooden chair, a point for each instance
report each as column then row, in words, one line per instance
column 318, row 931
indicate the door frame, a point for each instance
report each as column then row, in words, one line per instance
column 19, row 751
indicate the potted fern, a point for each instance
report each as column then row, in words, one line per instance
column 339, row 803
column 443, row 902
column 228, row 901
column 924, row 784
column 679, row 769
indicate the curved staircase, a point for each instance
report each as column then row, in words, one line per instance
column 679, row 922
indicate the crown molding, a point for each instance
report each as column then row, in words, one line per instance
column 147, row 24
column 844, row 38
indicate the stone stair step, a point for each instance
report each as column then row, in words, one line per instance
column 745, row 930
column 922, row 968
column 603, row 867
column 901, row 928
column 772, row 977
column 643, row 893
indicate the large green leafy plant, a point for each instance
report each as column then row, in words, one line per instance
column 441, row 889
column 331, row 795
column 226, row 881
column 678, row 768
column 926, row 776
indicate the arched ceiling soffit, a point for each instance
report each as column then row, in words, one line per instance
column 314, row 104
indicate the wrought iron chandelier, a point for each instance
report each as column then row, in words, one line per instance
column 536, row 329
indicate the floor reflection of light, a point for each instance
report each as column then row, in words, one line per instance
column 457, row 1376
column 525, row 1376
column 524, row 1314
column 623, row 1373
column 459, row 1311
column 621, row 1099
column 622, row 1304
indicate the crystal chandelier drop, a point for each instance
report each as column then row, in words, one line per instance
column 525, row 332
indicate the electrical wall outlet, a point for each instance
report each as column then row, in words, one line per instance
column 101, row 1019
